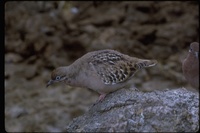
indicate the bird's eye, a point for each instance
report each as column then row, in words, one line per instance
column 57, row 77
column 190, row 50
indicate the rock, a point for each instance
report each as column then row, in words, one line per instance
column 16, row 112
column 12, row 58
column 133, row 111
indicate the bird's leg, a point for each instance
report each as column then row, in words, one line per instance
column 101, row 97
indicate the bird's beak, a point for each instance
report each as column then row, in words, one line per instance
column 50, row 82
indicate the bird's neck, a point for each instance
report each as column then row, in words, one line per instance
column 192, row 57
column 72, row 73
column 192, row 61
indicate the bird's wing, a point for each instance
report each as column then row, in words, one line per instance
column 113, row 68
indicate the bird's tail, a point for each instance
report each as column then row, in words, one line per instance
column 146, row 63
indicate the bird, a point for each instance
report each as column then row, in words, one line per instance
column 103, row 71
column 190, row 65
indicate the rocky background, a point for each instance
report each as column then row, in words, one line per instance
column 40, row 36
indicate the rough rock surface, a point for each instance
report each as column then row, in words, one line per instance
column 127, row 110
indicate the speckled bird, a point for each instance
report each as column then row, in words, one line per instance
column 103, row 71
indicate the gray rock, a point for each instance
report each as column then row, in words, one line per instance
column 127, row 110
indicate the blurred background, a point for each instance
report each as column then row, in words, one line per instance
column 40, row 36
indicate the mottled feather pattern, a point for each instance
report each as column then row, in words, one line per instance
column 112, row 68
column 142, row 65
column 106, row 56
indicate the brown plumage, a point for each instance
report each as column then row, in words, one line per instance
column 103, row 71
column 190, row 65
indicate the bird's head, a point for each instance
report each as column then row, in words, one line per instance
column 194, row 49
column 58, row 75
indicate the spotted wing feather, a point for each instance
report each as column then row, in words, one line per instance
column 112, row 68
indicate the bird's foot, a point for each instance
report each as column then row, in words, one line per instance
column 101, row 97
